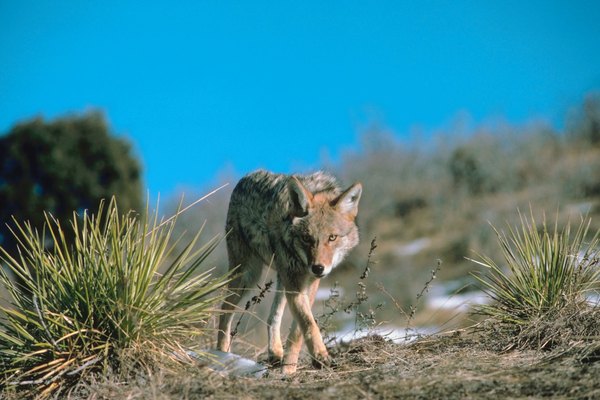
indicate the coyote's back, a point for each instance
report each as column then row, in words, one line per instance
column 301, row 225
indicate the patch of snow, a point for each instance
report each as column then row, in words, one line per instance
column 229, row 364
column 394, row 333
column 593, row 299
column 325, row 292
column 459, row 302
column 414, row 247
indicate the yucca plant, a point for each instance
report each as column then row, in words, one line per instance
column 544, row 270
column 80, row 303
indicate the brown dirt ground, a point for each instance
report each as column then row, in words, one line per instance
column 453, row 366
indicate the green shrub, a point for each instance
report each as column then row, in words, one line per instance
column 546, row 270
column 59, row 166
column 111, row 290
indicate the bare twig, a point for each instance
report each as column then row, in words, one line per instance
column 413, row 308
column 365, row 273
column 252, row 302
column 187, row 208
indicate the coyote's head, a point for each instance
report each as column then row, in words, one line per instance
column 323, row 228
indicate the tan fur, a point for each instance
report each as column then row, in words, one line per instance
column 305, row 226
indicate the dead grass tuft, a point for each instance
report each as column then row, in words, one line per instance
column 571, row 332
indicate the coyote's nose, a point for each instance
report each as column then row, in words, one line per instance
column 318, row 270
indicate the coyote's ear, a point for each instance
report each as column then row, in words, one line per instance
column 347, row 202
column 300, row 197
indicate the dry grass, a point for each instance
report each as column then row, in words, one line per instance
column 453, row 366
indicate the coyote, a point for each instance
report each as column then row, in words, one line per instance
column 303, row 226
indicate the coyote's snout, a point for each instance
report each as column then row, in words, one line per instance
column 303, row 226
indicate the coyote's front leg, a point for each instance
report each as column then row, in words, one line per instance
column 274, row 322
column 304, row 326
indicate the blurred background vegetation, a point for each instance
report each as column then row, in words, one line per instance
column 426, row 199
column 63, row 167
column 434, row 198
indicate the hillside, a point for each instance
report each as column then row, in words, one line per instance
column 435, row 199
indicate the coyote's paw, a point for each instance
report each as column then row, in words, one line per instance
column 275, row 360
column 320, row 361
column 289, row 369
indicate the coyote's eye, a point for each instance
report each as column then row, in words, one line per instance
column 332, row 238
column 307, row 240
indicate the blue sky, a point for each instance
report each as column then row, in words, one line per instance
column 199, row 86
